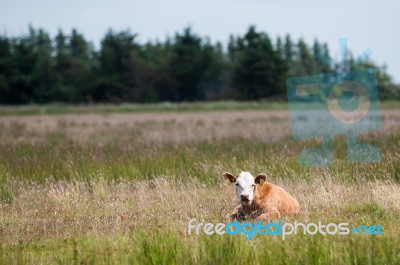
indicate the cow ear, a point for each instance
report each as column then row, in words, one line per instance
column 260, row 179
column 229, row 176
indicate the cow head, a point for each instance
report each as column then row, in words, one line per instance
column 246, row 185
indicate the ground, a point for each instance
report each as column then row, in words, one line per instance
column 116, row 187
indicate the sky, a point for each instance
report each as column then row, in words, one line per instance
column 366, row 23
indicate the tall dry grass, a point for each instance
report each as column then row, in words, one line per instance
column 61, row 210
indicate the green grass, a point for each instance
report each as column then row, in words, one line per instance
column 168, row 248
column 62, row 160
column 60, row 108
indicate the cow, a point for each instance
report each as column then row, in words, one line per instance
column 260, row 200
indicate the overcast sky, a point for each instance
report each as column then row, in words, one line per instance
column 366, row 23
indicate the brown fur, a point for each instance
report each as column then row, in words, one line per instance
column 270, row 202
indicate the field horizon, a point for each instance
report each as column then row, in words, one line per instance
column 197, row 106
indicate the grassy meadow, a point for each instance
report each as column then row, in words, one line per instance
column 102, row 185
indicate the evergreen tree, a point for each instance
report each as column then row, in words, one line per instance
column 117, row 74
column 260, row 71
column 321, row 57
column 21, row 81
column 190, row 61
column 306, row 61
column 6, row 68
column 43, row 75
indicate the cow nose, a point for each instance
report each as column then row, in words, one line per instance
column 244, row 197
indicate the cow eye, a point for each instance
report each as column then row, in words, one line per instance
column 237, row 184
column 253, row 185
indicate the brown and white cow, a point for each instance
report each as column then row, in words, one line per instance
column 260, row 200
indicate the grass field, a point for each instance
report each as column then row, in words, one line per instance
column 59, row 108
column 119, row 187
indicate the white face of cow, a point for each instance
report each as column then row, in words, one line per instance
column 245, row 185
column 245, row 188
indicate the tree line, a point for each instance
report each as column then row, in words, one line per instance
column 35, row 68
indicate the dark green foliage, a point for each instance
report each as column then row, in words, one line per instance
column 259, row 69
column 35, row 68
